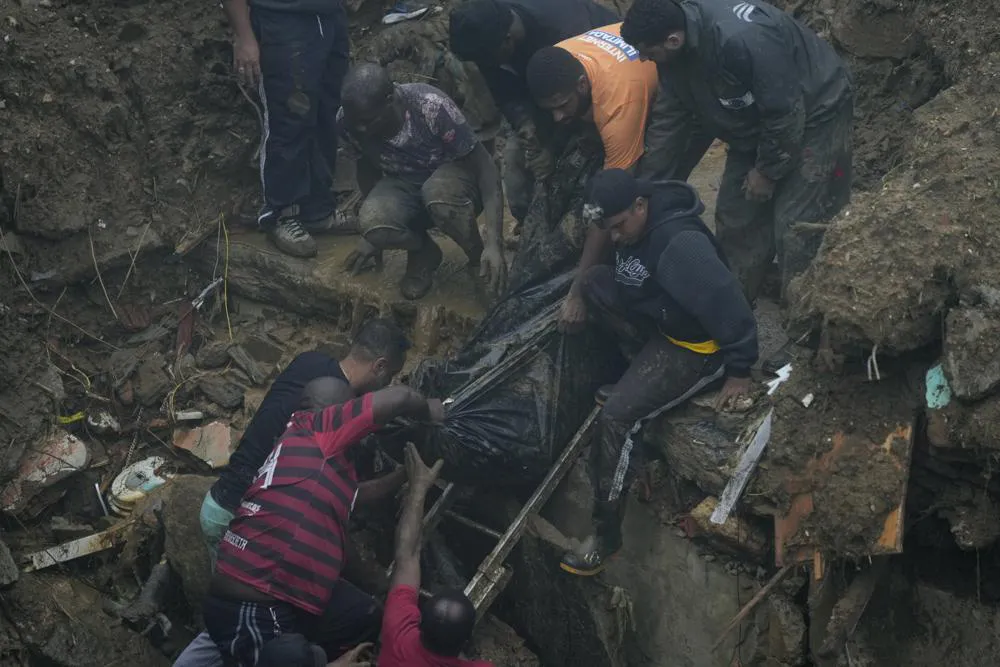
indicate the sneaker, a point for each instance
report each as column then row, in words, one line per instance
column 597, row 549
column 403, row 11
column 338, row 222
column 291, row 238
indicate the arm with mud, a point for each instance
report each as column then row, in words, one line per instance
column 480, row 163
column 763, row 62
column 691, row 271
column 409, row 531
column 674, row 146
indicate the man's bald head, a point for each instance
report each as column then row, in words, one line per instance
column 325, row 391
column 446, row 623
column 366, row 88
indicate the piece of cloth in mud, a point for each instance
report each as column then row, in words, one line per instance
column 553, row 231
column 240, row 629
column 303, row 61
column 661, row 376
column 397, row 212
column 434, row 133
column 267, row 425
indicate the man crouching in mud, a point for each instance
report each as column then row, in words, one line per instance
column 420, row 165
column 671, row 296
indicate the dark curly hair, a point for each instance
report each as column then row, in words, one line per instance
column 649, row 22
column 552, row 71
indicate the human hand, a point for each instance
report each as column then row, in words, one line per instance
column 733, row 389
column 420, row 476
column 493, row 268
column 758, row 187
column 540, row 162
column 353, row 658
column 363, row 258
column 246, row 61
column 436, row 409
column 573, row 314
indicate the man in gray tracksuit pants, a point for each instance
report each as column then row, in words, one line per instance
column 780, row 97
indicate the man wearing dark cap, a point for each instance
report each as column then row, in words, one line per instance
column 436, row 635
column 778, row 95
column 500, row 36
column 671, row 296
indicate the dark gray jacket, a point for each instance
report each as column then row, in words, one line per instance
column 751, row 75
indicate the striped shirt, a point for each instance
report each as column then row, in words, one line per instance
column 287, row 538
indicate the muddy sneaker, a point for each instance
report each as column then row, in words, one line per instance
column 338, row 222
column 596, row 550
column 289, row 237
column 420, row 267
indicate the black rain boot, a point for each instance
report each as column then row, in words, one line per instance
column 595, row 551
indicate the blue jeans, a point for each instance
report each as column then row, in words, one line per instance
column 303, row 60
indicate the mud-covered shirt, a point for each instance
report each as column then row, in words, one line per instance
column 434, row 133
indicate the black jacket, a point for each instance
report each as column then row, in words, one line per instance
column 751, row 75
column 546, row 22
column 300, row 6
column 677, row 275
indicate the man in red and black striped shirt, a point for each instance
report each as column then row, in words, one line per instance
column 280, row 561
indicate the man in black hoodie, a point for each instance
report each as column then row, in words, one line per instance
column 672, row 293
column 500, row 36
column 778, row 95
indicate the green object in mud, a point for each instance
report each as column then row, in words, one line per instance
column 938, row 394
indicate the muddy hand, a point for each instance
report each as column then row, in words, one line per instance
column 363, row 258
column 758, row 187
column 246, row 62
column 493, row 269
column 419, row 474
column 359, row 656
column 733, row 389
column 540, row 162
column 572, row 315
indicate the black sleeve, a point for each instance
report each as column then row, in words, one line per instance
column 510, row 94
column 692, row 272
column 762, row 61
column 672, row 145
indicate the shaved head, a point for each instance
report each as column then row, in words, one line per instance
column 446, row 622
column 366, row 88
column 325, row 391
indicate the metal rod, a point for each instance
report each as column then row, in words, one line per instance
column 484, row 576
column 475, row 525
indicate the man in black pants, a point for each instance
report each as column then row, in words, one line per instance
column 295, row 53
column 672, row 296
column 500, row 36
column 778, row 95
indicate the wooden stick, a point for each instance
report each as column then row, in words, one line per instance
column 850, row 608
column 748, row 608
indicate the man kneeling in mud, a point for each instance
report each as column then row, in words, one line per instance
column 420, row 165
column 280, row 562
column 672, row 297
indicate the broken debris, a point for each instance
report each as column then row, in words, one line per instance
column 9, row 573
column 136, row 482
column 245, row 363
column 213, row 355
column 84, row 546
column 224, row 393
column 213, row 443
column 50, row 461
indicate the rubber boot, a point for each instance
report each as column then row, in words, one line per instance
column 420, row 267
column 595, row 551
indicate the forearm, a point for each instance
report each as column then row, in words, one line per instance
column 381, row 487
column 780, row 143
column 490, row 189
column 238, row 14
column 595, row 248
column 399, row 401
column 410, row 528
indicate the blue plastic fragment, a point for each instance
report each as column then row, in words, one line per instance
column 938, row 390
